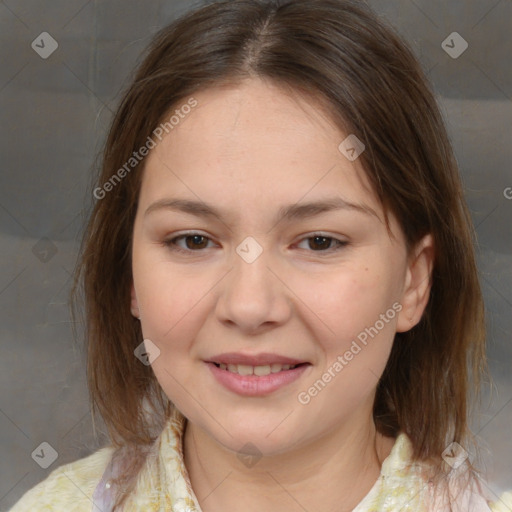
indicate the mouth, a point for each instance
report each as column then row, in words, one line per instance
column 256, row 375
column 258, row 371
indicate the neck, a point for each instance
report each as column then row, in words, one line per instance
column 333, row 472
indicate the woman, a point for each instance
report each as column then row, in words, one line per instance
column 280, row 283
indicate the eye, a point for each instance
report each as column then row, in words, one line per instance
column 322, row 243
column 193, row 242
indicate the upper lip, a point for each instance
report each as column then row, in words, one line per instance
column 253, row 360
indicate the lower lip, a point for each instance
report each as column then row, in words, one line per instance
column 253, row 385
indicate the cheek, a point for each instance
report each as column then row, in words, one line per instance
column 350, row 301
column 170, row 305
column 169, row 300
column 358, row 309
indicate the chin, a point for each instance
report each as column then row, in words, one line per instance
column 262, row 437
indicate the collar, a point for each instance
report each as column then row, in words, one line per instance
column 395, row 474
column 164, row 483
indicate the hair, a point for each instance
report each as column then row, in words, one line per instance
column 347, row 58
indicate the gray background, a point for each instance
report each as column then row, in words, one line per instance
column 55, row 113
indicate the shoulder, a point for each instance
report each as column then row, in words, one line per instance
column 504, row 504
column 69, row 487
column 458, row 490
column 469, row 492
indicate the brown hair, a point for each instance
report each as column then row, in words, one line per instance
column 341, row 53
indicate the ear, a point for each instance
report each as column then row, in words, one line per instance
column 134, row 304
column 418, row 282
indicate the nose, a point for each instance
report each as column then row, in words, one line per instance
column 253, row 296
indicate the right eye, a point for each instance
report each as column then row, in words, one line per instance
column 194, row 242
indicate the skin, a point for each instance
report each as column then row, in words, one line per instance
column 250, row 149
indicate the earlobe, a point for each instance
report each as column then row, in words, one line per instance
column 134, row 303
column 417, row 284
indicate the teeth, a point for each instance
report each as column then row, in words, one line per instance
column 245, row 369
column 260, row 371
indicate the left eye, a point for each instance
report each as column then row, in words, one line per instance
column 195, row 242
column 324, row 242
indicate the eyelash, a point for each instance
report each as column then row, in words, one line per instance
column 171, row 243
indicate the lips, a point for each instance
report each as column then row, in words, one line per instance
column 255, row 375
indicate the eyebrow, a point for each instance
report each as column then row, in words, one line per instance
column 288, row 213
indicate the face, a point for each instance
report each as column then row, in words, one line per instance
column 274, row 319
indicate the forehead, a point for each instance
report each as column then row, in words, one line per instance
column 254, row 140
